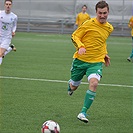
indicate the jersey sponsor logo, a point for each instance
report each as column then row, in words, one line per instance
column 5, row 26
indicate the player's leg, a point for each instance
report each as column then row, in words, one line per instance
column 130, row 58
column 76, row 75
column 2, row 51
column 10, row 48
column 89, row 97
column 93, row 80
column 91, row 93
column 3, row 47
column 72, row 86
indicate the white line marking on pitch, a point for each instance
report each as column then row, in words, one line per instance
column 60, row 81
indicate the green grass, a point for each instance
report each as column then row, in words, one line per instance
column 26, row 103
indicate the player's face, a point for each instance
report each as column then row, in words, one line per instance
column 8, row 6
column 84, row 9
column 102, row 14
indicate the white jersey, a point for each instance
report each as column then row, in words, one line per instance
column 8, row 24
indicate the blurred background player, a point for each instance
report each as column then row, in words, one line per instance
column 82, row 16
column 130, row 24
column 8, row 25
column 91, row 52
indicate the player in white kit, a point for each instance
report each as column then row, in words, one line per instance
column 8, row 25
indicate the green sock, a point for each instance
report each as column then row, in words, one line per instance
column 89, row 98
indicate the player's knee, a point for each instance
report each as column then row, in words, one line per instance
column 74, row 84
column 73, row 87
column 93, row 84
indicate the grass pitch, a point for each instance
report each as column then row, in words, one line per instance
column 33, row 87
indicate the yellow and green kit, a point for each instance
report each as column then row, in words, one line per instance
column 92, row 35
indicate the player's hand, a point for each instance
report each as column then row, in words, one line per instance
column 81, row 51
column 107, row 60
column 13, row 34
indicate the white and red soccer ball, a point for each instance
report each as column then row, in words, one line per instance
column 50, row 126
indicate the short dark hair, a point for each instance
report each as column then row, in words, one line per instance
column 102, row 4
column 84, row 6
column 8, row 0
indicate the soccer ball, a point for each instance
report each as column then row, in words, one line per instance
column 50, row 126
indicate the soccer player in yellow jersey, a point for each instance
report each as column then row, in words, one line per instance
column 91, row 52
column 130, row 24
column 82, row 16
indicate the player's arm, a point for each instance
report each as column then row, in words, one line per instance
column 76, row 39
column 89, row 16
column 14, row 27
column 13, row 34
column 77, row 36
column 77, row 19
column 130, row 24
column 76, row 23
column 107, row 60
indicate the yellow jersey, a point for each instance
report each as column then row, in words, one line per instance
column 92, row 35
column 82, row 17
column 130, row 24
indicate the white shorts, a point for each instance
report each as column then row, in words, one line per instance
column 94, row 75
column 5, row 42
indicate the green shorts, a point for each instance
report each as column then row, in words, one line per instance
column 80, row 68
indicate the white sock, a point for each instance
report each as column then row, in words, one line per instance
column 8, row 50
column 1, row 60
